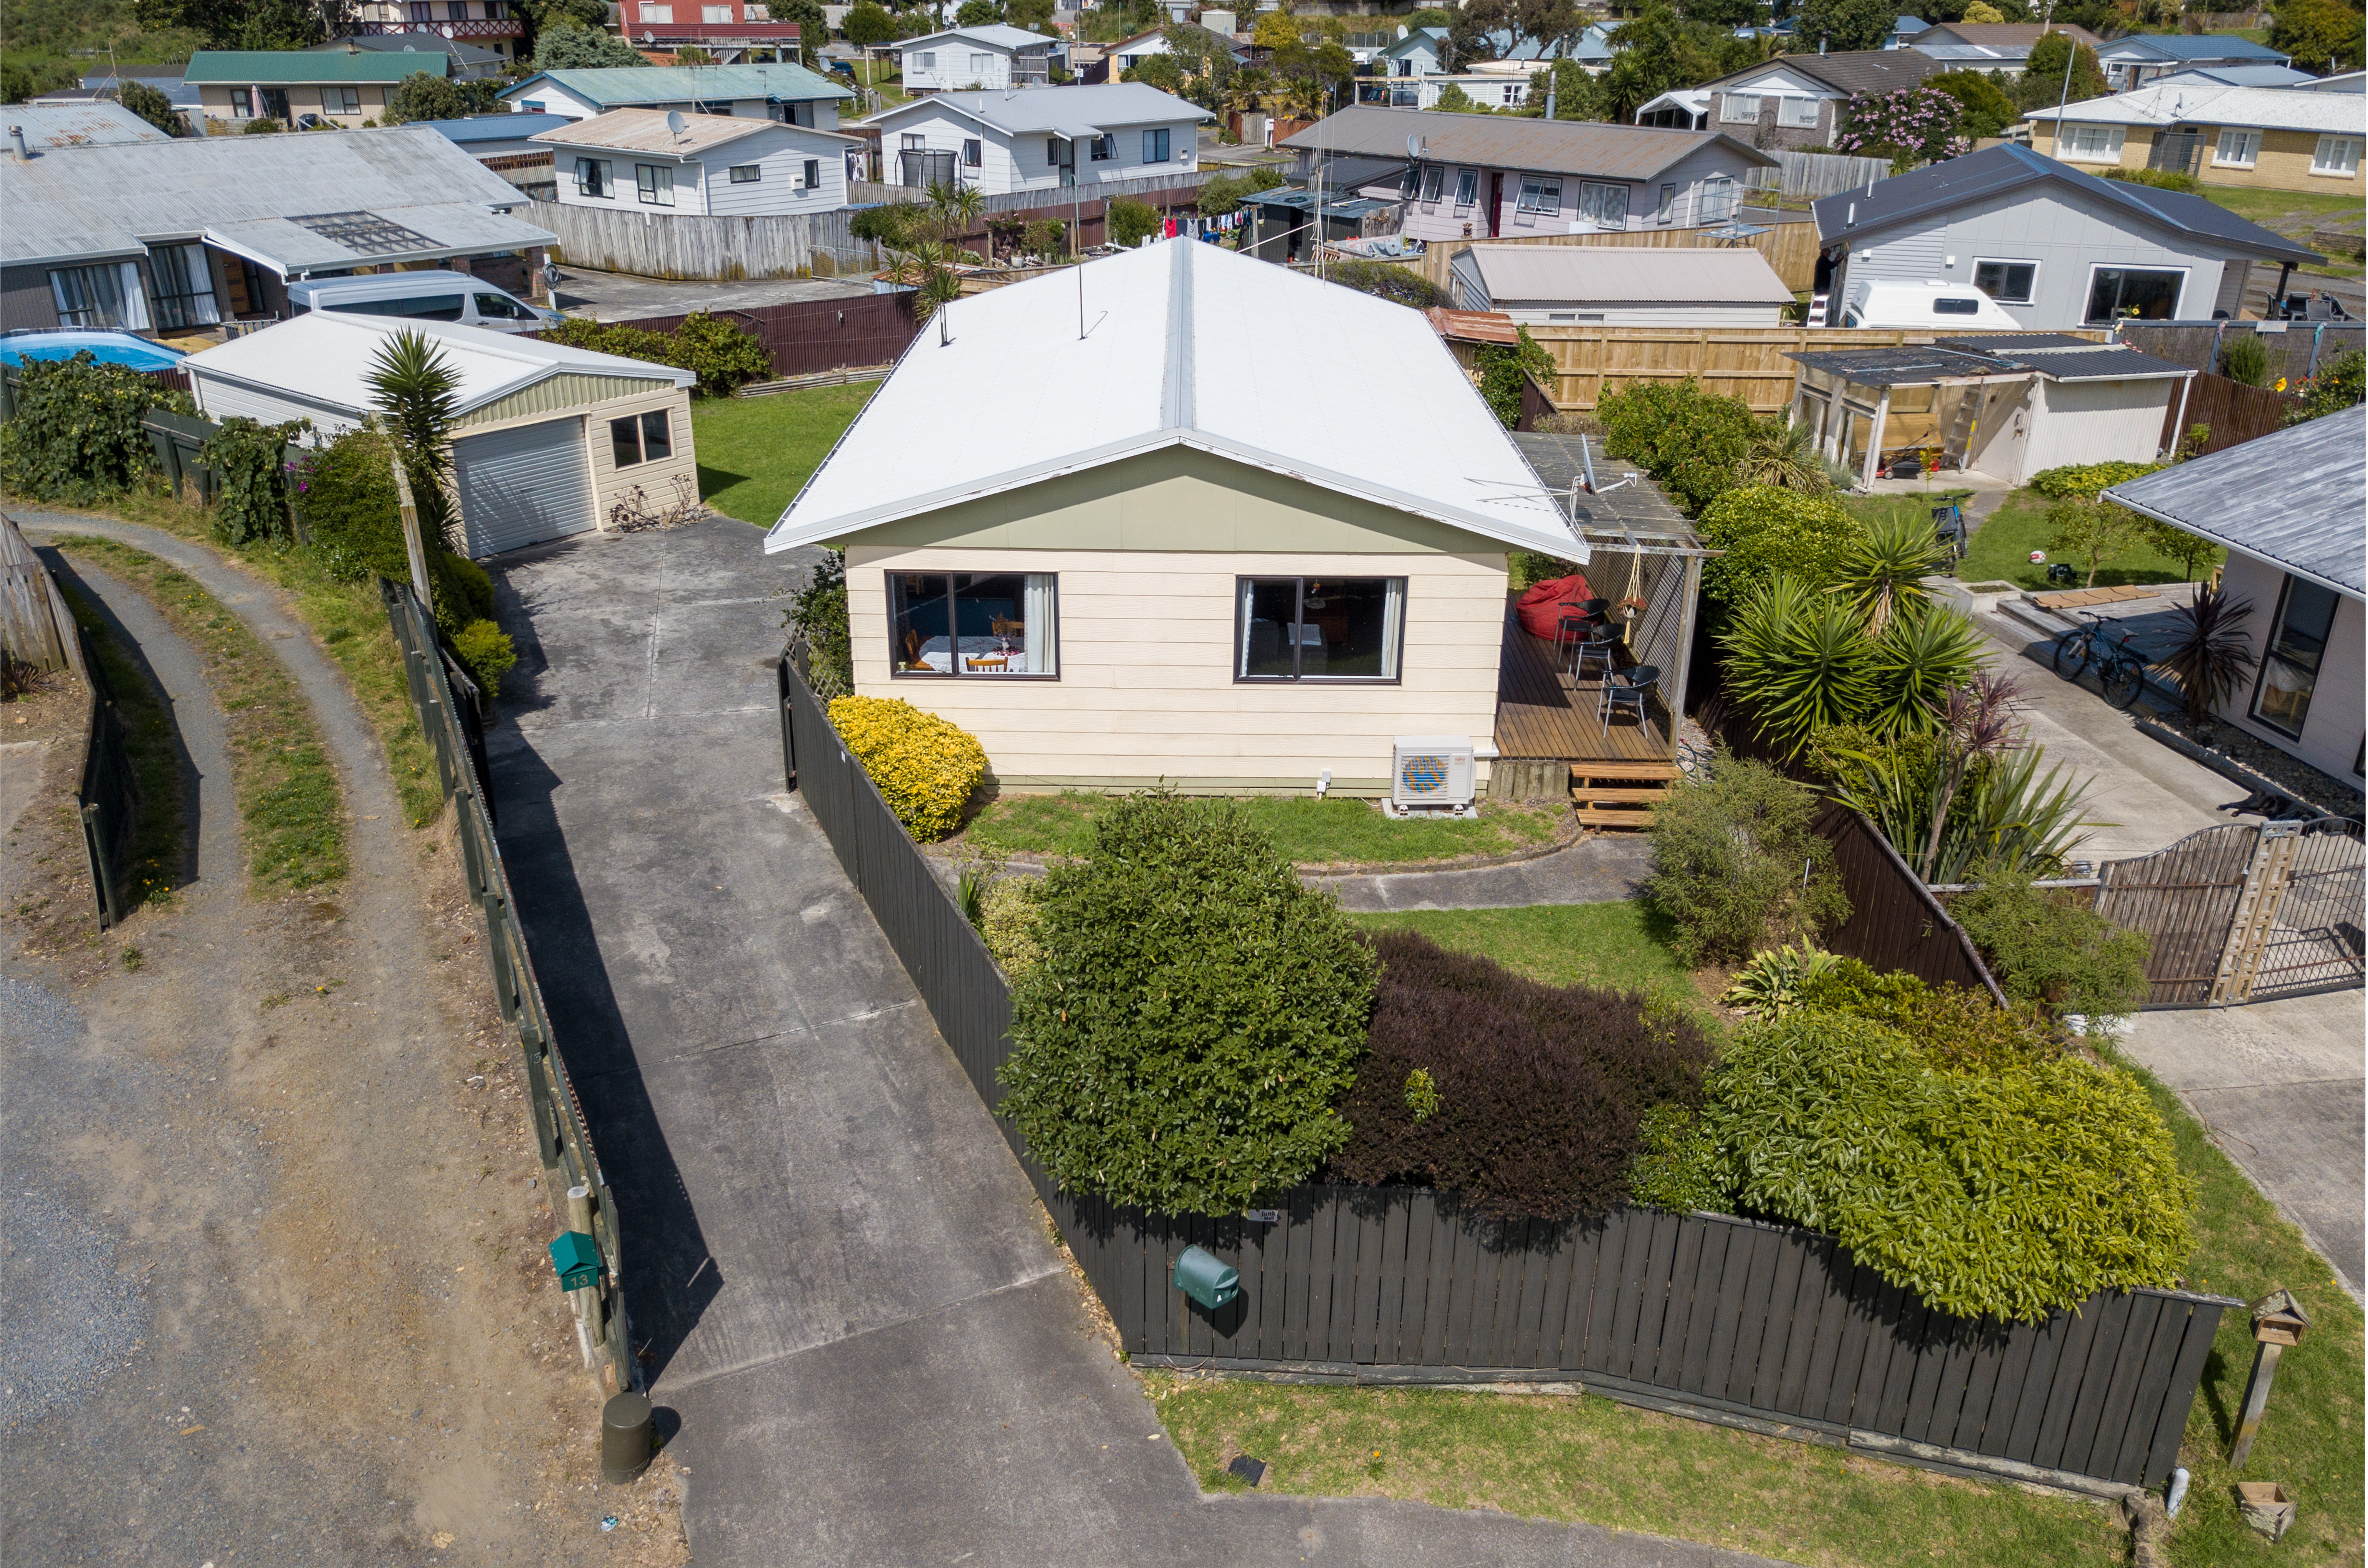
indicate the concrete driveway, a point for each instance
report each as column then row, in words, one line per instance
column 836, row 1270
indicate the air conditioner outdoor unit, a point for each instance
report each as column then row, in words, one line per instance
column 1430, row 773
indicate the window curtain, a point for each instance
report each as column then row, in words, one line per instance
column 106, row 296
column 1393, row 622
column 185, row 286
column 1041, row 659
column 1247, row 588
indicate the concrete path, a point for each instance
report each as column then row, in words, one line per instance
column 1601, row 869
column 2280, row 1085
column 836, row 1267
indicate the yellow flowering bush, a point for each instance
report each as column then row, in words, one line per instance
column 925, row 766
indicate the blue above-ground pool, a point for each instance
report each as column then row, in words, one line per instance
column 108, row 347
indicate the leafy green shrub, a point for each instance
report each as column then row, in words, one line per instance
column 345, row 494
column 484, row 651
column 2007, row 814
column 76, row 435
column 818, row 612
column 1130, row 222
column 1537, row 1090
column 2082, row 480
column 2341, row 383
column 250, row 477
column 720, row 353
column 1997, row 1194
column 1692, row 443
column 925, row 766
column 469, row 583
column 1765, row 530
column 2040, row 950
column 2162, row 179
column 1799, row 660
column 1678, row 1169
column 1503, row 370
column 1007, row 923
column 1772, row 983
column 1736, row 865
column 1196, row 1014
column 1958, row 1028
column 1388, row 281
column 2246, row 360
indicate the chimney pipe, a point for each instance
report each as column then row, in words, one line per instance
column 24, row 153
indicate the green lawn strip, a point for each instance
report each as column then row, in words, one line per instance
column 148, row 742
column 2311, row 1440
column 1306, row 831
column 1620, row 947
column 1593, row 1460
column 287, row 789
column 756, row 452
column 2001, row 553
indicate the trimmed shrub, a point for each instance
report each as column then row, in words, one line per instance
column 76, row 435
column 1678, row 1169
column 470, row 584
column 1692, row 443
column 1196, row 1014
column 2071, row 957
column 1766, row 530
column 925, row 766
column 1538, row 1090
column 720, row 353
column 1999, row 1194
column 1007, row 923
column 1730, row 848
column 484, row 651
column 2081, row 481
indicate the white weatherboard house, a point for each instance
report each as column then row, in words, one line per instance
column 716, row 163
column 1038, row 141
column 1168, row 570
column 779, row 90
column 551, row 440
column 1619, row 285
column 990, row 58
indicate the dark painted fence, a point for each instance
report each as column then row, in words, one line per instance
column 1894, row 922
column 1702, row 1314
column 818, row 335
column 107, row 796
column 2296, row 349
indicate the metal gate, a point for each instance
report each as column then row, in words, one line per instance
column 2242, row 913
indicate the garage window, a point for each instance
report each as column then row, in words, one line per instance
column 638, row 438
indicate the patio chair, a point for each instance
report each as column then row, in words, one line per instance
column 1598, row 643
column 1627, row 689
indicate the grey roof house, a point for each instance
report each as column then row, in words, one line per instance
column 1797, row 100
column 1995, row 49
column 1619, row 285
column 2287, row 508
column 2054, row 247
column 54, row 127
column 2140, row 58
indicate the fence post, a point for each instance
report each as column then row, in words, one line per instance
column 788, row 730
column 2266, row 880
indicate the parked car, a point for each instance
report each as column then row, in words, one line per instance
column 428, row 296
column 1956, row 307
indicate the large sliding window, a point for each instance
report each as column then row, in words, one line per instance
column 974, row 623
column 108, row 295
column 2298, row 645
column 2130, row 293
column 185, row 287
column 1319, row 628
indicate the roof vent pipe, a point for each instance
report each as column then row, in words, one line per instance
column 24, row 153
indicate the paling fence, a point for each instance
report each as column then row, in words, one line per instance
column 1706, row 1314
column 810, row 335
column 1813, row 174
column 2233, row 412
column 447, row 709
column 1895, row 921
column 2296, row 349
column 2241, row 913
column 693, row 245
column 1790, row 248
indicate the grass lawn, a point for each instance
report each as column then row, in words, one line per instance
column 2294, row 213
column 1306, row 831
column 2001, row 546
column 1619, row 946
column 755, row 452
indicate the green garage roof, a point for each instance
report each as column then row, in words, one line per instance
column 286, row 67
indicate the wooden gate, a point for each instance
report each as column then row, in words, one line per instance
column 2241, row 913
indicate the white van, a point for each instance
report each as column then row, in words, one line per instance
column 428, row 296
column 1945, row 307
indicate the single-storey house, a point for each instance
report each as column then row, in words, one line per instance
column 1040, row 139
column 783, row 91
column 2135, row 59
column 2237, row 76
column 1798, row 100
column 60, row 127
column 2268, row 138
column 1994, row 48
column 341, row 87
column 736, row 33
column 180, row 236
column 393, row 31
column 1480, row 178
column 1169, row 572
column 2287, row 508
column 2056, row 247
column 550, row 440
column 1619, row 285
column 716, row 163
column 1418, row 51
column 989, row 59
column 2008, row 406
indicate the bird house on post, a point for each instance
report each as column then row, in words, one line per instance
column 575, row 1260
column 2278, row 1322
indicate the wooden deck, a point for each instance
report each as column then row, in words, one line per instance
column 1549, row 739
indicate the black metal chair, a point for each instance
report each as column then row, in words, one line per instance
column 1599, row 642
column 1628, row 688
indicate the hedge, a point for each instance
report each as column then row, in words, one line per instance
column 925, row 766
column 2083, row 481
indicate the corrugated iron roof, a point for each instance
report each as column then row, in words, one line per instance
column 646, row 130
column 1617, row 274
column 1501, row 141
column 1851, row 71
column 2291, row 498
column 95, row 124
column 2062, row 359
column 261, row 67
column 1472, row 326
column 1073, row 111
column 611, row 86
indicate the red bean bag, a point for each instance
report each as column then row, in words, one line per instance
column 1543, row 608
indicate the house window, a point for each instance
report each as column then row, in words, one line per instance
column 2336, row 155
column 1105, row 148
column 2129, row 293
column 1467, row 188
column 978, row 624
column 456, row 10
column 2008, row 282
column 1053, row 145
column 341, row 100
column 640, row 438
column 1155, row 146
column 185, row 287
column 756, row 13
column 978, row 65
column 657, row 13
column 928, row 60
column 1540, row 195
column 1318, row 628
column 746, row 174
column 592, row 179
column 971, row 154
column 1799, row 113
column 1738, row 109
column 2298, row 644
column 1605, row 206
column 108, row 295
column 2091, row 143
column 654, row 183
column 1432, row 180
column 419, row 10
column 715, row 12
column 1718, row 198
column 813, row 174
column 2237, row 149
column 275, row 103
column 1667, row 207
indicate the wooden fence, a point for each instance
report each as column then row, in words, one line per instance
column 2243, row 913
column 1894, row 922
column 2296, row 349
column 696, row 246
column 2234, row 412
column 811, row 335
column 1702, row 1314
column 34, row 625
column 1790, row 248
column 1814, row 174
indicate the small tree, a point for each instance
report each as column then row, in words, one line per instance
column 868, row 27
column 2210, row 652
column 2190, row 550
column 1912, row 126
column 76, row 435
column 151, row 106
column 423, row 96
column 2246, row 360
column 1764, row 531
column 2093, row 531
column 1736, row 867
column 583, row 48
column 1130, row 222
column 416, row 386
column 977, row 14
column 1454, row 99
column 1158, row 70
column 1503, row 370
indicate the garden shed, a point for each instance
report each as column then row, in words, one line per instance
column 548, row 440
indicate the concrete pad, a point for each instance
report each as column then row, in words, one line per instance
column 1603, row 868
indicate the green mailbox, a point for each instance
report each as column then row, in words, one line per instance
column 1207, row 1278
column 577, row 1261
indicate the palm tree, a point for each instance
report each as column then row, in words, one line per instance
column 1785, row 455
column 415, row 385
column 1885, row 569
column 1977, row 722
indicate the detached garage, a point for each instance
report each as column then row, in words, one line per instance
column 551, row 440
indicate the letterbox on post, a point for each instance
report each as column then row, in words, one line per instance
column 575, row 1260
column 1206, row 1277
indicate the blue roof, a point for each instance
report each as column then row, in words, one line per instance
column 1909, row 25
column 2202, row 46
column 496, row 126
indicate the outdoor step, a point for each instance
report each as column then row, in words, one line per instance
column 2023, row 612
column 1582, row 771
column 1613, row 797
column 1596, row 816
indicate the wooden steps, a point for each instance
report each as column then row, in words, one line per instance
column 1620, row 794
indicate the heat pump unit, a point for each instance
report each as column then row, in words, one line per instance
column 1430, row 773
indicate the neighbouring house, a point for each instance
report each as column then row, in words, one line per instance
column 1679, row 109
column 2135, row 59
column 1994, row 48
column 463, row 61
column 1174, row 575
column 180, row 236
column 1041, row 139
column 287, row 85
column 2056, row 247
column 496, row 26
column 1619, row 285
column 1903, row 28
column 43, row 127
column 548, row 440
column 782, row 91
column 2287, row 508
column 2267, row 138
column 736, row 33
column 716, row 163
column 976, row 59
column 1283, row 226
column 2008, row 406
column 1800, row 100
column 1482, row 177
column 1418, row 51
column 2237, row 76
column 504, row 144
column 2352, row 82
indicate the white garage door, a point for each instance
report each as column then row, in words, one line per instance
column 523, row 485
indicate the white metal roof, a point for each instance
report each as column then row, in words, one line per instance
column 1185, row 346
column 1055, row 111
column 325, row 357
column 2274, row 108
column 1625, row 274
column 646, row 130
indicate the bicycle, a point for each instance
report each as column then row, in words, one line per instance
column 2121, row 672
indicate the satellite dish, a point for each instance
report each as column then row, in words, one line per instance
column 1414, row 147
column 676, row 123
